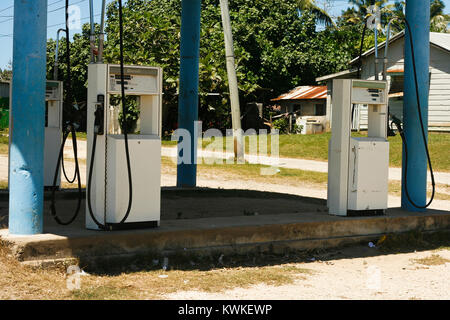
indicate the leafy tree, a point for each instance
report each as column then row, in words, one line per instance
column 80, row 58
column 276, row 49
column 6, row 74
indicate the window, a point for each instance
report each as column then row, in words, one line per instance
column 320, row 110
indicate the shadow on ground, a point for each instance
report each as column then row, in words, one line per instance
column 394, row 244
column 191, row 204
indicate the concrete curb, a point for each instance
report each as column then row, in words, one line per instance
column 226, row 234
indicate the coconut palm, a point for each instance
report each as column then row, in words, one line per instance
column 438, row 20
column 359, row 12
column 321, row 15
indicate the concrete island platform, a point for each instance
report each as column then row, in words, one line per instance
column 206, row 220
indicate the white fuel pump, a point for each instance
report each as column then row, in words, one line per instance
column 358, row 167
column 108, row 190
column 53, row 130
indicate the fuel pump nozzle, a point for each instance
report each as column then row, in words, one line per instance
column 398, row 124
column 99, row 115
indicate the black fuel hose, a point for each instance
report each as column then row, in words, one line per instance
column 89, row 186
column 124, row 113
column 77, row 175
column 107, row 226
column 70, row 129
column 402, row 134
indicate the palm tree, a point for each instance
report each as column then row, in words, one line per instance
column 359, row 12
column 398, row 12
column 321, row 15
column 438, row 20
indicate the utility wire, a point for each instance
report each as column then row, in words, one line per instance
column 53, row 25
column 7, row 8
column 50, row 11
column 60, row 8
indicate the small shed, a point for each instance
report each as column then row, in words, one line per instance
column 305, row 103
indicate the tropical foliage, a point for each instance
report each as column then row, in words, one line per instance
column 278, row 45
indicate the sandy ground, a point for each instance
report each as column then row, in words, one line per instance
column 380, row 277
column 363, row 275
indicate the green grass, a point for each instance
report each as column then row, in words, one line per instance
column 315, row 147
column 80, row 135
column 253, row 172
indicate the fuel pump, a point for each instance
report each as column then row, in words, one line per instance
column 117, row 154
column 53, row 132
column 107, row 190
column 358, row 167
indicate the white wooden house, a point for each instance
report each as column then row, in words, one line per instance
column 439, row 94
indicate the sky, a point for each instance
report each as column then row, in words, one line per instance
column 55, row 19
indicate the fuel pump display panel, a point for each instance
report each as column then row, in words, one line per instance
column 137, row 80
column 369, row 92
column 53, row 90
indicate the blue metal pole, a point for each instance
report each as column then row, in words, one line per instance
column 26, row 172
column 188, row 95
column 418, row 16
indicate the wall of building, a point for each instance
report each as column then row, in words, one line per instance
column 307, row 107
column 4, row 90
column 439, row 96
column 439, row 99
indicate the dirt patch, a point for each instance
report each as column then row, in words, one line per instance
column 433, row 260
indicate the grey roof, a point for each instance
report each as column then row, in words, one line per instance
column 344, row 74
column 441, row 40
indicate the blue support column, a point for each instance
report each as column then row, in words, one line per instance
column 418, row 16
column 26, row 172
column 189, row 78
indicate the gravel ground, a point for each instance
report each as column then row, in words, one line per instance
column 393, row 276
column 355, row 276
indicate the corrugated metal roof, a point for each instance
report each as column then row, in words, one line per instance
column 304, row 93
column 396, row 95
column 395, row 71
column 440, row 39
